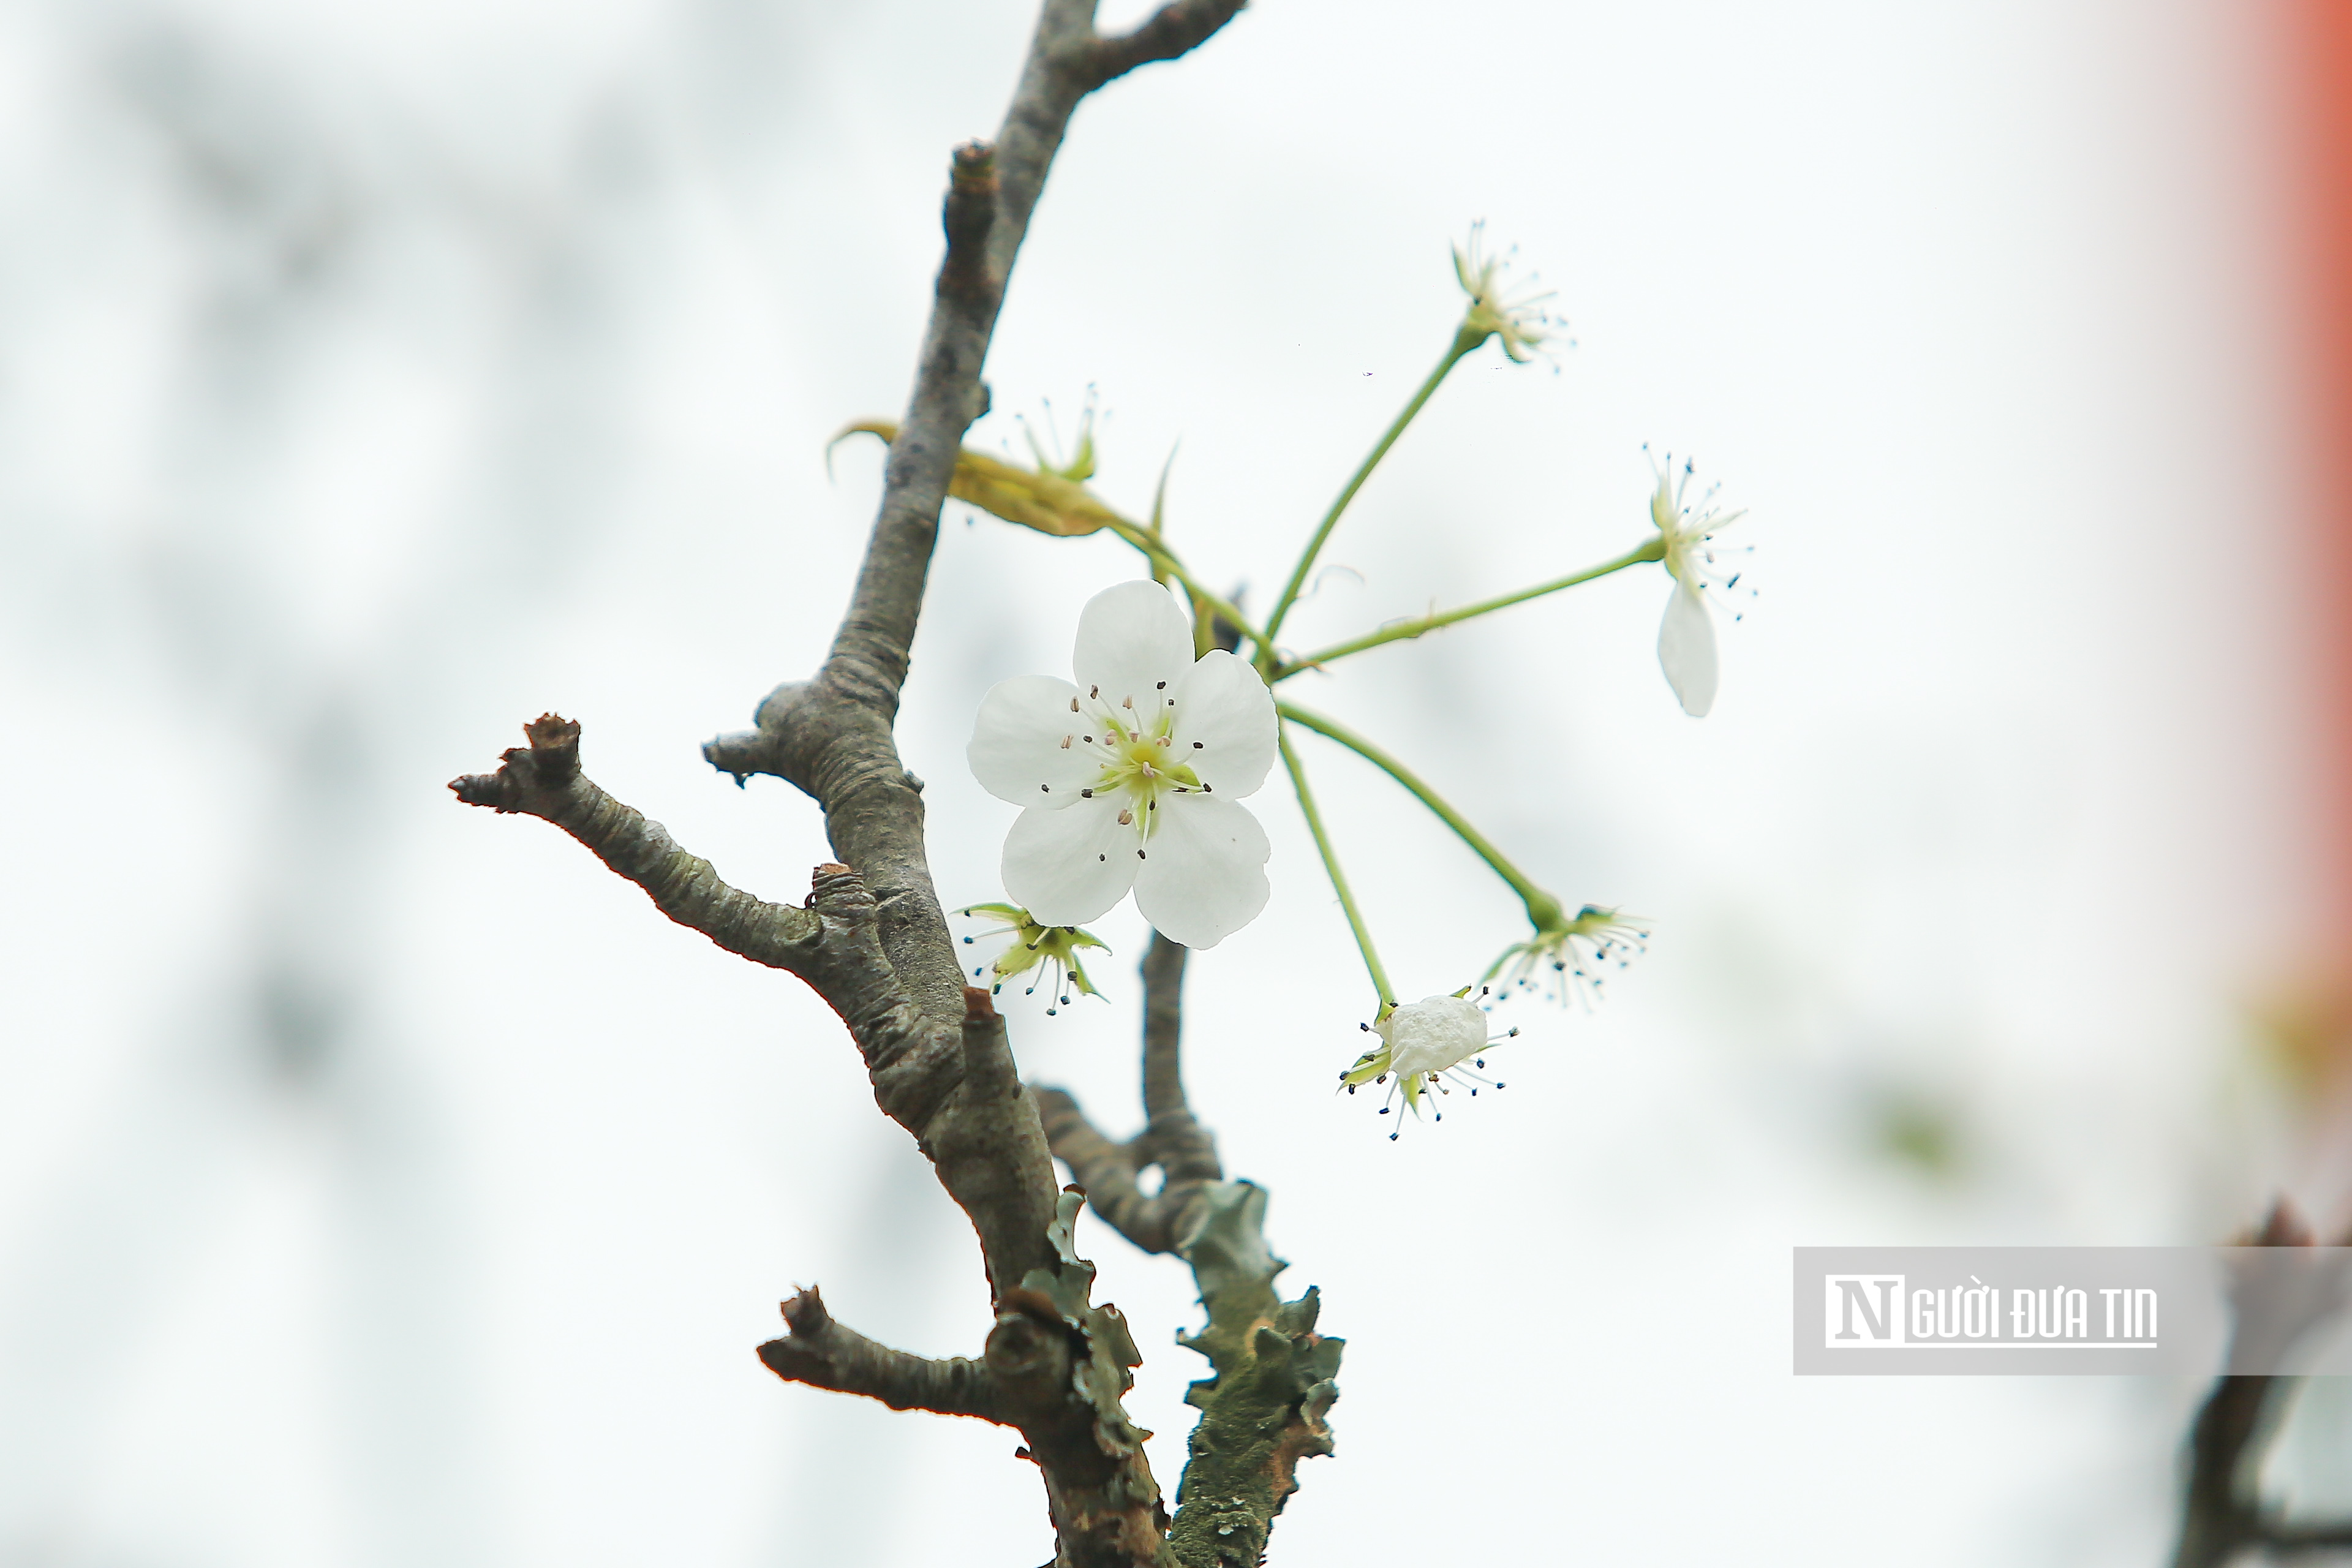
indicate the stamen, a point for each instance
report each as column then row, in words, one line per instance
column 1066, row 742
column 1085, row 794
column 1126, row 702
column 1126, row 817
column 1073, row 704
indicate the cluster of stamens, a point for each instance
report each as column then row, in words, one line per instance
column 1691, row 552
column 1139, row 756
column 1412, row 1086
column 1575, row 961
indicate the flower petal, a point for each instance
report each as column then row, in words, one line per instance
column 1016, row 750
column 1226, row 727
column 1433, row 1033
column 1131, row 638
column 1206, row 877
column 1070, row 867
column 1687, row 650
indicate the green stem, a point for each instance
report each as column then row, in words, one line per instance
column 1543, row 910
column 1654, row 550
column 1165, row 565
column 1466, row 339
column 1338, row 878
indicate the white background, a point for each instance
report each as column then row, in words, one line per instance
column 383, row 1183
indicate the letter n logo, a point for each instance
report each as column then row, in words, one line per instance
column 1862, row 1309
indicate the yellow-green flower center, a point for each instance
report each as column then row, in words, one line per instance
column 1141, row 759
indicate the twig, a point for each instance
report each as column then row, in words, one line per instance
column 821, row 1354
column 1172, row 1139
column 832, row 735
column 935, row 1051
column 1264, row 1409
column 953, row 1086
column 1163, row 1029
column 1174, row 30
column 2222, row 1514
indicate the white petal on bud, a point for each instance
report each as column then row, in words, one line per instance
column 1433, row 1034
column 1687, row 650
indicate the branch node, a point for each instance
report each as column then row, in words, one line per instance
column 548, row 764
column 968, row 215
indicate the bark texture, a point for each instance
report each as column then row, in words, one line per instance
column 1263, row 1408
column 871, row 939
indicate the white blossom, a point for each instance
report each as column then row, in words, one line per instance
column 1522, row 324
column 1051, row 951
column 1686, row 637
column 1576, row 953
column 1131, row 777
column 1422, row 1047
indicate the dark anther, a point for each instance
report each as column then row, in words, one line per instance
column 1085, row 794
column 1047, row 788
column 1162, row 686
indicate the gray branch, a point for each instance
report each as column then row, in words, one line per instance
column 953, row 1085
column 831, row 735
column 1172, row 1139
column 873, row 941
column 1266, row 1406
column 821, row 1354
column 2222, row 1516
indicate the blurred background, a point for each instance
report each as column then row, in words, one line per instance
column 383, row 1183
